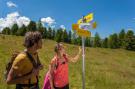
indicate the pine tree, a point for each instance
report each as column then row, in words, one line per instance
column 87, row 42
column 113, row 41
column 40, row 27
column 97, row 40
column 49, row 33
column 79, row 41
column 53, row 34
column 32, row 26
column 64, row 36
column 22, row 30
column 58, row 37
column 105, row 43
column 14, row 29
column 122, row 38
column 45, row 33
column 130, row 40
column 69, row 37
column 6, row 31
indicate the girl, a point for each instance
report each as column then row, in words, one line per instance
column 58, row 68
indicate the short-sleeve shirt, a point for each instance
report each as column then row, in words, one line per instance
column 22, row 65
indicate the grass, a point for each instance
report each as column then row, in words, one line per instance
column 105, row 68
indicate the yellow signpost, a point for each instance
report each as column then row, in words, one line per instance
column 75, row 26
column 84, row 33
column 81, row 32
column 87, row 19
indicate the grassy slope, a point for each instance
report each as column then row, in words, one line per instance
column 105, row 68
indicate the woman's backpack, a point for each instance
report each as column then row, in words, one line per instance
column 9, row 64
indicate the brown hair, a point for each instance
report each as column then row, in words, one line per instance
column 31, row 38
column 57, row 47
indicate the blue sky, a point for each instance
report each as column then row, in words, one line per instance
column 110, row 15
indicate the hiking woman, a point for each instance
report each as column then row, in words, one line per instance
column 26, row 66
column 58, row 69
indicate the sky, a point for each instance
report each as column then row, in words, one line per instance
column 111, row 15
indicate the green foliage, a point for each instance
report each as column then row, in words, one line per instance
column 32, row 26
column 105, row 43
column 6, row 31
column 130, row 41
column 69, row 37
column 22, row 31
column 65, row 36
column 113, row 41
column 97, row 40
column 14, row 29
column 58, row 37
column 40, row 27
column 53, row 34
column 121, row 40
column 79, row 41
column 49, row 33
column 45, row 33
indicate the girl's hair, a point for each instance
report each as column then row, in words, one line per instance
column 57, row 47
column 31, row 38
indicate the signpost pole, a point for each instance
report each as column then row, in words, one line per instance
column 83, row 58
column 83, row 63
column 83, row 32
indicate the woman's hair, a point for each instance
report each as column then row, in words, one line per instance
column 57, row 47
column 31, row 38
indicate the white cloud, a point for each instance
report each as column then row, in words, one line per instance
column 11, row 4
column 13, row 18
column 13, row 15
column 23, row 20
column 63, row 27
column 48, row 20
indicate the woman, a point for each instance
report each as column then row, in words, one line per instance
column 58, row 69
column 26, row 66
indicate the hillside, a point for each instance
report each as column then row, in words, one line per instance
column 105, row 68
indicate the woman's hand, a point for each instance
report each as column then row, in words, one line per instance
column 35, row 71
column 74, row 59
column 41, row 67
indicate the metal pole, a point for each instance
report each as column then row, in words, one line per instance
column 83, row 63
column 83, row 57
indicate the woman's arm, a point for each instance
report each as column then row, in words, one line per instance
column 12, row 80
column 75, row 59
column 51, row 75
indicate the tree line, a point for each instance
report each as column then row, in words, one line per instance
column 123, row 39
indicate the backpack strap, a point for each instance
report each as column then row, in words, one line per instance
column 57, row 63
column 35, row 65
column 32, row 60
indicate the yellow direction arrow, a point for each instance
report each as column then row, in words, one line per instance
column 82, row 32
column 75, row 26
column 87, row 18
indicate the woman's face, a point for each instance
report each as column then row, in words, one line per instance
column 39, row 44
column 62, row 49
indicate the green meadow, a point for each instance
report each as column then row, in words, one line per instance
column 105, row 68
